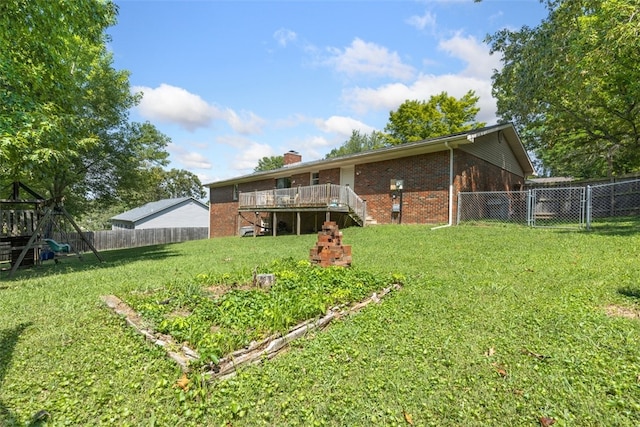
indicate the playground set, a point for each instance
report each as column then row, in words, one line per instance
column 29, row 229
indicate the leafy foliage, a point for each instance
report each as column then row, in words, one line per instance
column 441, row 115
column 64, row 125
column 269, row 163
column 59, row 93
column 218, row 325
column 570, row 86
column 358, row 143
column 417, row 120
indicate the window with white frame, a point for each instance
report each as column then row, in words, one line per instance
column 315, row 178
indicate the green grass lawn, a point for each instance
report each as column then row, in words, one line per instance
column 493, row 326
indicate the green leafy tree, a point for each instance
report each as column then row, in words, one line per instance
column 63, row 107
column 441, row 115
column 269, row 163
column 182, row 183
column 133, row 166
column 359, row 142
column 54, row 73
column 156, row 184
column 571, row 86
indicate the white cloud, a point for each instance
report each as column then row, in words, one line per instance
column 248, row 124
column 480, row 63
column 343, row 126
column 422, row 22
column 246, row 152
column 283, row 36
column 190, row 159
column 293, row 120
column 249, row 155
column 476, row 76
column 193, row 160
column 369, row 59
column 389, row 97
column 314, row 147
column 171, row 104
column 235, row 141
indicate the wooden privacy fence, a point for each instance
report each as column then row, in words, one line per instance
column 121, row 239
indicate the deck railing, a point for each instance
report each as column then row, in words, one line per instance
column 325, row 196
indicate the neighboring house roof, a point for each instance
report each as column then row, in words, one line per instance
column 550, row 180
column 430, row 145
column 152, row 208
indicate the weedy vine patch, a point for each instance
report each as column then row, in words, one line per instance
column 217, row 323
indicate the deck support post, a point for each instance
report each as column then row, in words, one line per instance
column 274, row 224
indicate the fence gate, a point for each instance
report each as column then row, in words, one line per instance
column 557, row 207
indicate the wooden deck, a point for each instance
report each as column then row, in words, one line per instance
column 314, row 198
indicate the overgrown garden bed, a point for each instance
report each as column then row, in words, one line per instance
column 219, row 314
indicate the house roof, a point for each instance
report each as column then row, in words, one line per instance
column 430, row 145
column 550, row 180
column 136, row 214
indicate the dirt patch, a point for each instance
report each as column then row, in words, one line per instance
column 124, row 310
column 620, row 311
column 179, row 313
column 219, row 290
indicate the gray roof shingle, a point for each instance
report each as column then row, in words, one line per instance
column 150, row 208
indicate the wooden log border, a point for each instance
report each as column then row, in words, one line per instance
column 255, row 353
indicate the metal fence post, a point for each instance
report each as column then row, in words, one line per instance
column 588, row 208
column 530, row 208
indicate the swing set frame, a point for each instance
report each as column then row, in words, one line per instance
column 44, row 214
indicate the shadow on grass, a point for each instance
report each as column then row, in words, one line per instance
column 622, row 226
column 615, row 231
column 90, row 262
column 630, row 292
column 8, row 340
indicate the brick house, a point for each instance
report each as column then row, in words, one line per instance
column 413, row 183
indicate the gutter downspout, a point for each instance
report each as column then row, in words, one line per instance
column 450, row 223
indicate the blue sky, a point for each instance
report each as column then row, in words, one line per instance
column 233, row 81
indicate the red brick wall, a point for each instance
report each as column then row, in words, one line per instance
column 330, row 176
column 301, row 179
column 424, row 195
column 325, row 176
column 291, row 157
column 265, row 184
column 474, row 174
column 223, row 219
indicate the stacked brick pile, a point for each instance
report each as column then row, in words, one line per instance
column 329, row 249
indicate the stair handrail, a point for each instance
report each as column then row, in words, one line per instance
column 356, row 204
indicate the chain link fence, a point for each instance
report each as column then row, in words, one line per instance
column 557, row 207
column 561, row 207
column 613, row 203
column 495, row 206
